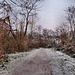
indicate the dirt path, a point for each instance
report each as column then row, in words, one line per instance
column 34, row 65
column 44, row 62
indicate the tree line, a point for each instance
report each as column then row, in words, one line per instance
column 19, row 32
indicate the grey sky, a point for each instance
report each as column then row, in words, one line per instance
column 52, row 13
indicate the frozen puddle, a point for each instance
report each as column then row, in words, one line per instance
column 43, row 62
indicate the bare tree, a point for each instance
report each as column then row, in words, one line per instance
column 71, row 20
column 26, row 8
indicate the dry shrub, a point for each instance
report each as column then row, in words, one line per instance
column 8, row 44
column 25, row 45
column 11, row 45
column 1, row 45
column 1, row 53
column 32, row 44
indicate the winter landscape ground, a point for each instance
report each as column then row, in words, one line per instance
column 41, row 61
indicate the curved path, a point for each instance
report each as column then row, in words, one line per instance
column 45, row 62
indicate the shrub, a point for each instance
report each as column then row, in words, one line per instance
column 8, row 44
column 11, row 45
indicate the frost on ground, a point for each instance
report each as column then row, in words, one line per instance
column 40, row 62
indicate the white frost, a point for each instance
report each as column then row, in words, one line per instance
column 40, row 62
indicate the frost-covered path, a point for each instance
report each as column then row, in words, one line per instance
column 37, row 63
column 41, row 62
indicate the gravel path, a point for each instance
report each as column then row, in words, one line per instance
column 41, row 62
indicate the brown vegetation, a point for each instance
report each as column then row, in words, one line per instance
column 18, row 40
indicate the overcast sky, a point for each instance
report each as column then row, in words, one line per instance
column 52, row 12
